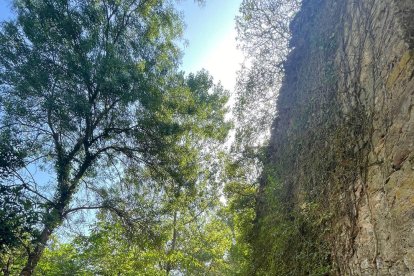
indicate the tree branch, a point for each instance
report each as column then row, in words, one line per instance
column 84, row 208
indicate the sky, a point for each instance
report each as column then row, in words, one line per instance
column 5, row 10
column 210, row 33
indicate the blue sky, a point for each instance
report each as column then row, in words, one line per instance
column 5, row 9
column 210, row 34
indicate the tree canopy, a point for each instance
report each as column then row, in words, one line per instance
column 263, row 35
column 90, row 89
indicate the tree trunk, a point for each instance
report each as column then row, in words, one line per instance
column 6, row 268
column 64, row 193
column 35, row 255
column 173, row 243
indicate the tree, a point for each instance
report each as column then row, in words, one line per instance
column 168, row 222
column 13, row 220
column 176, row 203
column 17, row 217
column 263, row 34
column 240, row 212
column 91, row 85
column 61, row 259
column 263, row 29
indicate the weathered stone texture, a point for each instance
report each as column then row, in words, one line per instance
column 371, row 189
column 384, row 239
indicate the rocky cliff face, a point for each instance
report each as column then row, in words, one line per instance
column 342, row 146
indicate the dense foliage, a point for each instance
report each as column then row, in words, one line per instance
column 105, row 105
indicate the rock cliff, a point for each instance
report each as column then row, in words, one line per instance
column 340, row 168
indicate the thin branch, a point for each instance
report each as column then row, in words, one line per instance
column 27, row 187
column 84, row 208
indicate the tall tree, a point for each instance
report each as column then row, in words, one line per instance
column 169, row 223
column 263, row 35
column 263, row 28
column 180, row 198
column 86, row 85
